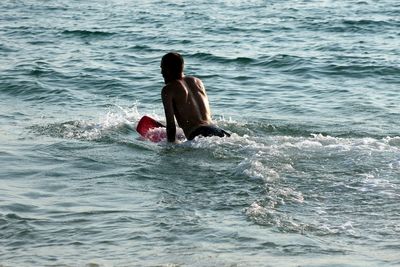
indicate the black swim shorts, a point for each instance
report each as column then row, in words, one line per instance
column 208, row 130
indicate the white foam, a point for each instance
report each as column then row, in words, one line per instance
column 253, row 168
column 122, row 115
column 92, row 130
column 255, row 209
column 395, row 165
column 392, row 141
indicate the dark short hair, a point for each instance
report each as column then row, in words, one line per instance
column 174, row 63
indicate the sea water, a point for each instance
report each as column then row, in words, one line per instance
column 308, row 89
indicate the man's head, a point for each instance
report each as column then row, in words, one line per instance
column 172, row 66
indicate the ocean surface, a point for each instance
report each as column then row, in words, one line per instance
column 310, row 91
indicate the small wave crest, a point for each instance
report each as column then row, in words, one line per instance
column 143, row 48
column 351, row 25
column 37, row 81
column 108, row 126
column 87, row 33
column 281, row 61
column 221, row 59
column 360, row 70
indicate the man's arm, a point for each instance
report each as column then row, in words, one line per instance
column 169, row 114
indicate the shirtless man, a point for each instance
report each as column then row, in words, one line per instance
column 185, row 99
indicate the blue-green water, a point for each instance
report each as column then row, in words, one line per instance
column 309, row 89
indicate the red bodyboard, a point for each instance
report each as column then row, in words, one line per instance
column 147, row 127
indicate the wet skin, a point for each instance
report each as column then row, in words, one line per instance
column 186, row 100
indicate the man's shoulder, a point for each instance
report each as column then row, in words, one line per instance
column 170, row 88
column 192, row 78
column 165, row 90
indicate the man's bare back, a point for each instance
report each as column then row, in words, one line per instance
column 185, row 99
